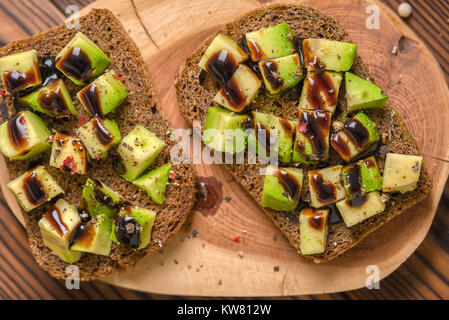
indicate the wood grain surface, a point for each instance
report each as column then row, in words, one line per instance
column 423, row 276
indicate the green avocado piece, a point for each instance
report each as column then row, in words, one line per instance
column 282, row 188
column 361, row 177
column 362, row 94
column 224, row 130
column 20, row 71
column 94, row 236
column 357, row 135
column 57, row 226
column 132, row 227
column 53, row 100
column 66, row 255
column 137, row 152
column 98, row 136
column 81, row 59
column 100, row 199
column 281, row 73
column 240, row 90
column 215, row 50
column 103, row 95
column 356, row 210
column 59, row 223
column 23, row 136
column 281, row 128
column 311, row 144
column 154, row 183
column 68, row 154
column 36, row 184
column 320, row 91
column 270, row 42
column 323, row 54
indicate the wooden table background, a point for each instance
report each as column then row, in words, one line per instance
column 424, row 275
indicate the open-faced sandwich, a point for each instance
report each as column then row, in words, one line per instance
column 289, row 81
column 87, row 149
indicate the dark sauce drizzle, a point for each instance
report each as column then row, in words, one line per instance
column 314, row 125
column 358, row 202
column 289, row 183
column 320, row 83
column 54, row 217
column 90, row 97
column 17, row 132
column 271, row 72
column 354, row 180
column 355, row 132
column 103, row 135
column 75, row 63
column 127, row 231
column 326, row 192
column 34, row 190
column 222, row 66
column 233, row 95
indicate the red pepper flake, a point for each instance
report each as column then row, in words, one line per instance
column 22, row 120
column 82, row 120
column 302, row 127
column 68, row 165
column 3, row 93
column 98, row 156
column 236, row 239
column 118, row 78
column 51, row 137
column 172, row 175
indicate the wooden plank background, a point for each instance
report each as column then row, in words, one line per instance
column 423, row 276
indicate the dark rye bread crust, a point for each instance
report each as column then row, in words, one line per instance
column 195, row 90
column 142, row 108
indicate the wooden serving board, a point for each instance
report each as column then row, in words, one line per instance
column 262, row 263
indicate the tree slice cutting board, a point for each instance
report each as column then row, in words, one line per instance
column 237, row 251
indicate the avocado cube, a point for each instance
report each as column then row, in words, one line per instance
column 282, row 188
column 98, row 136
column 224, row 130
column 99, row 199
column 324, row 54
column 362, row 94
column 313, row 225
column 222, row 57
column 103, row 95
column 23, row 136
column 361, row 177
column 34, row 187
column 52, row 99
column 154, row 183
column 320, row 91
column 94, row 236
column 20, row 71
column 59, row 224
column 68, row 154
column 137, row 151
column 401, row 172
column 281, row 73
column 269, row 130
column 358, row 209
column 240, row 90
column 132, row 227
column 357, row 135
column 66, row 255
column 270, row 42
column 325, row 186
column 311, row 144
column 81, row 59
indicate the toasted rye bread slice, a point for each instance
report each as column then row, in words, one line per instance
column 195, row 90
column 142, row 108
